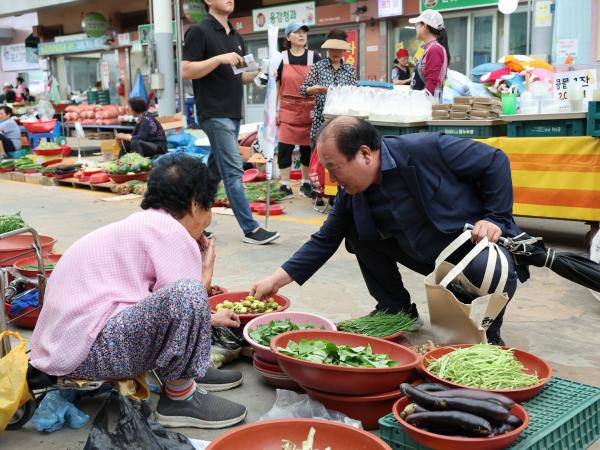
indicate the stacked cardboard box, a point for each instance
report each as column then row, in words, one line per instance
column 440, row 112
column 486, row 108
column 467, row 107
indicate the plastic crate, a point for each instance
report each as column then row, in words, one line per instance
column 564, row 415
column 545, row 128
column 391, row 130
column 593, row 119
column 471, row 131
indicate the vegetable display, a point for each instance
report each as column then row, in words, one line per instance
column 47, row 266
column 129, row 164
column 249, row 305
column 324, row 352
column 483, row 366
column 263, row 334
column 380, row 324
column 306, row 445
column 7, row 164
column 48, row 146
column 459, row 412
column 255, row 192
column 26, row 164
column 11, row 222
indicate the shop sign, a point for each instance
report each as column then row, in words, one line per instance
column 105, row 75
column 585, row 80
column 146, row 32
column 14, row 58
column 351, row 56
column 281, row 16
column 566, row 47
column 124, row 39
column 195, row 10
column 94, row 24
column 78, row 46
column 389, row 8
column 445, row 5
column 543, row 13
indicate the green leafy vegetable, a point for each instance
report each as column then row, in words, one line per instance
column 263, row 334
column 47, row 266
column 129, row 163
column 379, row 324
column 325, row 352
column 12, row 222
column 483, row 366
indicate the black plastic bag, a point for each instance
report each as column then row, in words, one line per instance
column 137, row 429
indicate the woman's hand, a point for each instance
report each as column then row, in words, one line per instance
column 225, row 318
column 314, row 90
column 124, row 137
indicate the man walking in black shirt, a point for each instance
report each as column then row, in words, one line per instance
column 211, row 49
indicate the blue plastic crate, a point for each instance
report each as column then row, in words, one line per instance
column 564, row 416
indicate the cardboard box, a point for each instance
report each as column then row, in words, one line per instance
column 457, row 107
column 459, row 115
column 443, row 107
column 440, row 115
column 463, row 100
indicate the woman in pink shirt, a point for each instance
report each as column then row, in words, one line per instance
column 131, row 296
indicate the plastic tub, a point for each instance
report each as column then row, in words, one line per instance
column 298, row 318
column 268, row 434
column 274, row 210
column 11, row 248
column 29, row 321
column 30, row 273
column 284, row 302
column 41, row 126
column 532, row 363
column 442, row 442
column 250, row 175
column 346, row 380
column 47, row 151
column 142, row 176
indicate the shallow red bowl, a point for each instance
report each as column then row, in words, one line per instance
column 260, row 363
column 11, row 248
column 532, row 364
column 20, row 263
column 346, row 380
column 47, row 151
column 366, row 408
column 142, row 176
column 99, row 178
column 237, row 296
column 250, row 175
column 442, row 442
column 40, row 126
column 28, row 171
column 254, row 205
column 6, row 170
column 64, row 175
column 27, row 321
column 268, row 434
column 277, row 379
column 274, row 210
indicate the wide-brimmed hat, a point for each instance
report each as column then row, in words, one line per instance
column 430, row 17
column 336, row 44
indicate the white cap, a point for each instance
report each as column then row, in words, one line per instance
column 430, row 17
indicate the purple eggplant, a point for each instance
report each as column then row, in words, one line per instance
column 468, row 423
column 476, row 395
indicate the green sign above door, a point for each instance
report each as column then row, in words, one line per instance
column 445, row 5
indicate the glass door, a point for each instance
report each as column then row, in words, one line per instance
column 457, row 38
column 483, row 38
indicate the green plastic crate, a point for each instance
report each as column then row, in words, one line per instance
column 593, row 119
column 396, row 131
column 545, row 128
column 471, row 131
column 564, row 416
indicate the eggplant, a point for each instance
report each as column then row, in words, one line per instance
column 483, row 408
column 432, row 387
column 514, row 421
column 502, row 429
column 412, row 408
column 471, row 424
column 477, row 395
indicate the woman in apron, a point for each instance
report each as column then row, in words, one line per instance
column 431, row 69
column 294, row 110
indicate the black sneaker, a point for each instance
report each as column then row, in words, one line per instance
column 204, row 410
column 260, row 237
column 286, row 191
column 306, row 190
column 215, row 380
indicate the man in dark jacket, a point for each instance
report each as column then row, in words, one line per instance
column 403, row 199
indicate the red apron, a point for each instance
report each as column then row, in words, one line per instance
column 294, row 109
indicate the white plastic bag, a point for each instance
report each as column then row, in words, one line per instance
column 290, row 405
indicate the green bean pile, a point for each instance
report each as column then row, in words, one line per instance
column 483, row 366
column 380, row 324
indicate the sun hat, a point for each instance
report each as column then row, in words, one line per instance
column 430, row 17
column 402, row 52
column 295, row 26
column 336, row 44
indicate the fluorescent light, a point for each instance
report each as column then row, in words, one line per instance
column 409, row 27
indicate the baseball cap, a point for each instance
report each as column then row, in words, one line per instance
column 430, row 17
column 295, row 26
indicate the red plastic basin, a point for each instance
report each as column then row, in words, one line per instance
column 276, row 379
column 298, row 318
column 267, row 435
column 366, row 408
column 41, row 126
column 66, row 150
column 99, row 178
column 27, row 321
column 11, row 248
column 296, row 174
column 20, row 263
column 142, row 176
column 237, row 296
column 346, row 380
column 532, row 364
column 254, row 205
column 47, row 151
column 250, row 175
column 274, row 210
column 266, row 365
column 441, row 442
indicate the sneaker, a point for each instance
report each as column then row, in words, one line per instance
column 286, row 191
column 215, row 380
column 306, row 190
column 260, row 237
column 204, row 410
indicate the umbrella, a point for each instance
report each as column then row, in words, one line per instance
column 530, row 250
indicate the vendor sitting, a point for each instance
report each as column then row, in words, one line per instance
column 132, row 296
column 10, row 132
column 148, row 138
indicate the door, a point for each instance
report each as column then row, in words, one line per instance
column 457, row 40
column 483, row 40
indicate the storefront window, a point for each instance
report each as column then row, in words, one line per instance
column 82, row 73
column 517, row 35
column 457, row 40
column 482, row 39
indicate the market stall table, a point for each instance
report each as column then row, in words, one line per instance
column 546, row 125
column 71, row 126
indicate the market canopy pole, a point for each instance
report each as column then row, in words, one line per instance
column 162, row 13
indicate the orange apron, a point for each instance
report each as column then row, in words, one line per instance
column 294, row 109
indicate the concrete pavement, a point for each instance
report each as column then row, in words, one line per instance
column 549, row 316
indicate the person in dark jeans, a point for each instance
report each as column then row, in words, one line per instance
column 211, row 50
column 148, row 137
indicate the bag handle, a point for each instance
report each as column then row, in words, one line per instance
column 7, row 333
column 464, row 237
column 461, row 266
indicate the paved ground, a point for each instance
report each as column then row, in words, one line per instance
column 550, row 317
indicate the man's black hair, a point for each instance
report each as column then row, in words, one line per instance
column 7, row 109
column 20, row 79
column 138, row 105
column 176, row 181
column 10, row 96
column 349, row 134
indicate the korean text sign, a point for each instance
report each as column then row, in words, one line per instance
column 281, row 16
